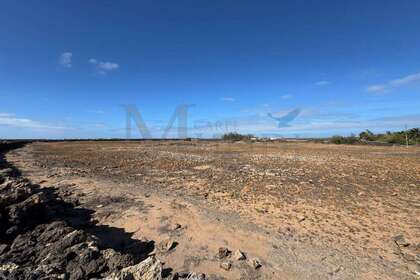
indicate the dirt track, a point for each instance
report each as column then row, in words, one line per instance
column 306, row 211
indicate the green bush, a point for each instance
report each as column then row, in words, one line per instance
column 234, row 136
column 412, row 136
column 367, row 135
column 337, row 139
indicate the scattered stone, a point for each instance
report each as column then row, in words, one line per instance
column 301, row 218
column 226, row 265
column 99, row 206
column 170, row 245
column 188, row 276
column 239, row 255
column 335, row 270
column 167, row 245
column 256, row 264
column 175, row 227
column 149, row 269
column 400, row 241
column 223, row 253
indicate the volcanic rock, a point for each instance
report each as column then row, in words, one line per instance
column 149, row 269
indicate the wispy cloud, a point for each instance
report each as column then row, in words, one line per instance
column 227, row 99
column 103, row 67
column 376, row 88
column 286, row 96
column 14, row 121
column 65, row 59
column 406, row 80
column 387, row 86
column 5, row 115
column 322, row 83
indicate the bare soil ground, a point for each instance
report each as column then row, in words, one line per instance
column 304, row 210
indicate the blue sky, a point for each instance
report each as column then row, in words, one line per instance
column 67, row 67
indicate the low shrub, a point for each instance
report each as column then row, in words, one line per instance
column 234, row 136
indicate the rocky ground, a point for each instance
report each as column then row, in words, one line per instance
column 45, row 234
column 241, row 210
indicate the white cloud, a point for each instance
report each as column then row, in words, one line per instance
column 12, row 120
column 322, row 83
column 410, row 79
column 376, row 88
column 406, row 80
column 108, row 66
column 103, row 67
column 6, row 115
column 65, row 59
column 227, row 99
column 286, row 96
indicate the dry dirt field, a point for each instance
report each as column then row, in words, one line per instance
column 302, row 210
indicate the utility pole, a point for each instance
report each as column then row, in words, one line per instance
column 406, row 137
